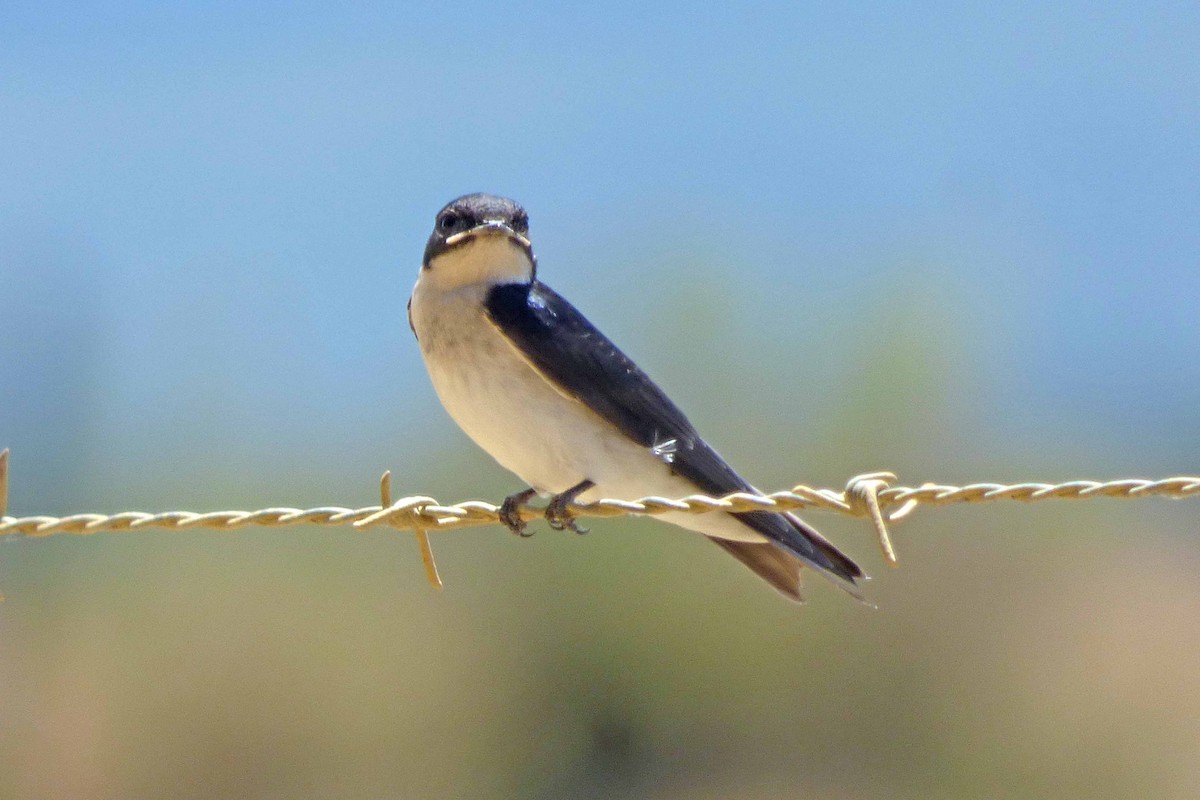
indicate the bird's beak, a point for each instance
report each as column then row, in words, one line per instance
column 492, row 227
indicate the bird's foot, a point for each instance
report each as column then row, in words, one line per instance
column 559, row 516
column 510, row 512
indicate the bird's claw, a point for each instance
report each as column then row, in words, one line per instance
column 558, row 513
column 510, row 513
column 559, row 516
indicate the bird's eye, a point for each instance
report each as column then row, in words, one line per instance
column 521, row 223
column 447, row 221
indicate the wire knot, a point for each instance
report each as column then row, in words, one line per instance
column 407, row 512
column 862, row 498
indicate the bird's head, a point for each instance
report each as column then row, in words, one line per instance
column 479, row 239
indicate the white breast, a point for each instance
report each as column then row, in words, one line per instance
column 551, row 441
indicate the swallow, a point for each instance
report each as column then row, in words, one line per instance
column 553, row 400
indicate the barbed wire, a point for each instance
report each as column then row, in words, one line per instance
column 870, row 495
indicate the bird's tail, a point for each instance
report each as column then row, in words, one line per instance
column 839, row 563
column 774, row 565
column 793, row 543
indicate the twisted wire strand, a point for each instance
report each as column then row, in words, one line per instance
column 421, row 513
column 870, row 495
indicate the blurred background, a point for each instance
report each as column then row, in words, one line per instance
column 959, row 243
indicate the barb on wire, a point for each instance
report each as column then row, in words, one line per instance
column 870, row 495
column 431, row 570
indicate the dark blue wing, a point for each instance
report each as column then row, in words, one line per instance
column 571, row 352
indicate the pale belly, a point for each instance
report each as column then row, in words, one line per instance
column 551, row 441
